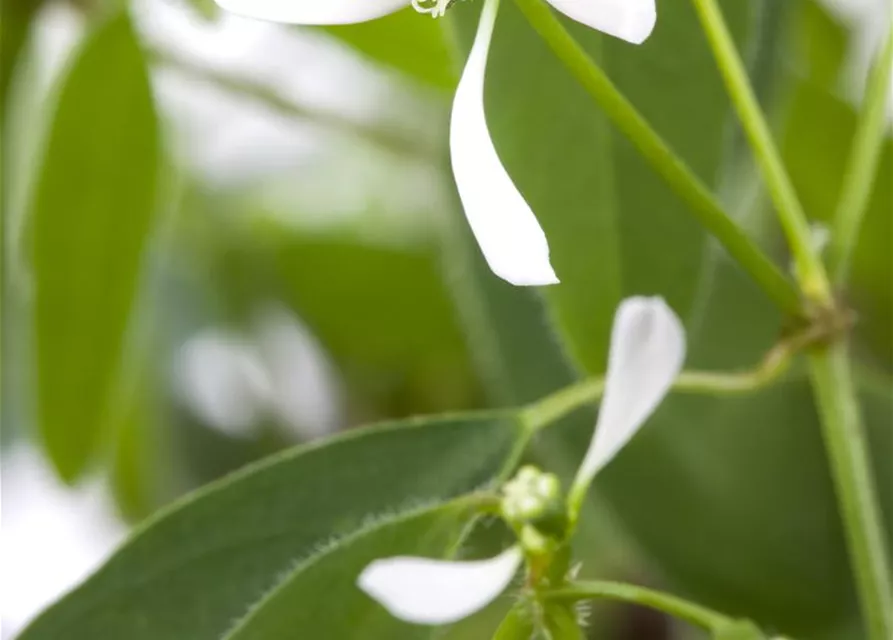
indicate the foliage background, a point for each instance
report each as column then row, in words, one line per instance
column 223, row 238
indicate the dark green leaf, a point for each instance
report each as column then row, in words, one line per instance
column 90, row 220
column 201, row 566
column 319, row 599
column 406, row 315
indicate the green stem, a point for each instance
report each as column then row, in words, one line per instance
column 851, row 472
column 810, row 270
column 862, row 166
column 554, row 407
column 830, row 367
column 274, row 100
column 678, row 176
column 676, row 607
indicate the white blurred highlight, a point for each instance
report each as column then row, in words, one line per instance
column 279, row 369
column 222, row 379
column 52, row 536
column 313, row 12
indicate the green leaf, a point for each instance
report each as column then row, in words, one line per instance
column 319, row 599
column 407, row 318
column 140, row 469
column 196, row 569
column 90, row 220
column 407, row 41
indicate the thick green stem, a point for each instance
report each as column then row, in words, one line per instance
column 810, row 270
column 678, row 176
column 863, row 164
column 851, row 472
column 830, row 366
column 676, row 607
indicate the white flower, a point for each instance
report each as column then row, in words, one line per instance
column 506, row 229
column 647, row 352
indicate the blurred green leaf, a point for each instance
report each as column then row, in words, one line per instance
column 141, row 475
column 133, row 471
column 384, row 315
column 822, row 44
column 90, row 219
column 407, row 41
column 377, row 304
column 204, row 564
column 16, row 17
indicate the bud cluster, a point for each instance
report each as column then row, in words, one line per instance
column 532, row 502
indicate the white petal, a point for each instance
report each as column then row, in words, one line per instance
column 647, row 352
column 630, row 20
column 506, row 229
column 428, row 591
column 313, row 12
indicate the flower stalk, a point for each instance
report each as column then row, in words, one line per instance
column 671, row 605
column 862, row 167
column 808, row 265
column 552, row 408
column 851, row 471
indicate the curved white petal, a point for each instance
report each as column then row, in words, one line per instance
column 630, row 20
column 313, row 12
column 647, row 352
column 428, row 591
column 506, row 229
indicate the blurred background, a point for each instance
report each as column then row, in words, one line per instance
column 297, row 280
